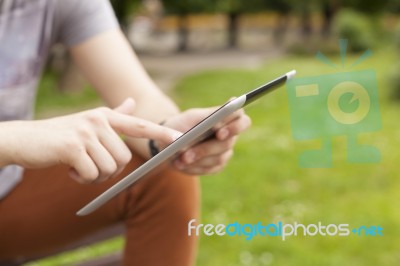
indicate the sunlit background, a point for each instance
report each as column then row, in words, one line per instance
column 201, row 52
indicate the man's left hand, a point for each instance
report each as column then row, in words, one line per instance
column 211, row 156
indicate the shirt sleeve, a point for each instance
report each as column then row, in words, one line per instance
column 78, row 20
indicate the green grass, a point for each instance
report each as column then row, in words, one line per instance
column 51, row 102
column 263, row 181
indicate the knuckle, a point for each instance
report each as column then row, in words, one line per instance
column 84, row 132
column 122, row 154
column 97, row 116
column 199, row 152
column 103, row 109
column 194, row 111
column 141, row 124
column 126, row 157
column 234, row 128
column 109, row 169
column 74, row 147
column 90, row 174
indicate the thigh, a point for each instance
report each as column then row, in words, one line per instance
column 38, row 217
column 156, row 226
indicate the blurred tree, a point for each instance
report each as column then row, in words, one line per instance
column 329, row 8
column 304, row 10
column 367, row 6
column 393, row 6
column 124, row 9
column 283, row 8
column 182, row 8
column 233, row 9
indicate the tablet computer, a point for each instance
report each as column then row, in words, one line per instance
column 199, row 132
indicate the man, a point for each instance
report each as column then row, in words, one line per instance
column 37, row 158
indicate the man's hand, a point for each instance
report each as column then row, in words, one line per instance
column 119, row 68
column 88, row 142
column 210, row 156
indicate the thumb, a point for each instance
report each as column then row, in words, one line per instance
column 126, row 107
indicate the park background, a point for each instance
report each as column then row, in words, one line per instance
column 201, row 53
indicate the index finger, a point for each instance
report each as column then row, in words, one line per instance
column 140, row 128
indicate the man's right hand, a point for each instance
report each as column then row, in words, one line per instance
column 88, row 141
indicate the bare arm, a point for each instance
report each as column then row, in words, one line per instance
column 88, row 141
column 111, row 66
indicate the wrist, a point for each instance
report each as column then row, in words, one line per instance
column 154, row 146
column 6, row 143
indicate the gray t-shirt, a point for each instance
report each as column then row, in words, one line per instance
column 28, row 28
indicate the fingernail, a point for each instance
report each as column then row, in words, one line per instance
column 190, row 156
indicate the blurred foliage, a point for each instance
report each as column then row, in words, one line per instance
column 394, row 76
column 304, row 10
column 180, row 7
column 51, row 102
column 124, row 9
column 393, row 6
column 367, row 6
column 233, row 9
column 356, row 28
column 283, row 6
column 397, row 36
column 224, row 6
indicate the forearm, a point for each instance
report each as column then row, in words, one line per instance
column 151, row 105
column 156, row 109
column 89, row 141
column 112, row 67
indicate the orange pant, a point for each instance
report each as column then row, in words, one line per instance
column 38, row 217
